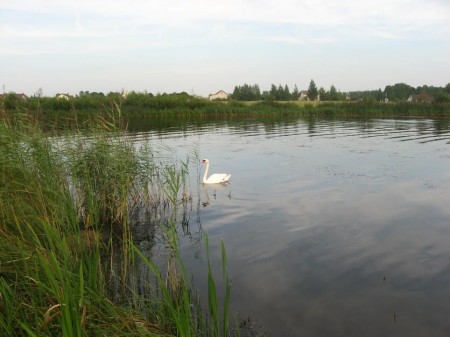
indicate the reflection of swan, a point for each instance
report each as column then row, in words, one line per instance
column 214, row 188
column 208, row 201
column 216, row 178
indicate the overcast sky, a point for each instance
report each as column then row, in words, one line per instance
column 202, row 46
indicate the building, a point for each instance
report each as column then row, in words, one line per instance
column 420, row 98
column 63, row 96
column 304, row 96
column 219, row 95
column 19, row 96
column 124, row 94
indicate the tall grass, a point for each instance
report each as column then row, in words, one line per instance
column 68, row 207
column 183, row 105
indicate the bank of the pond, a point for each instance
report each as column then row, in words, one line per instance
column 298, row 109
column 67, row 210
column 188, row 106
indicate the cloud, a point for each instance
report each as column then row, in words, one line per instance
column 248, row 34
column 122, row 17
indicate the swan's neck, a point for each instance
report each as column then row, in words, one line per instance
column 206, row 172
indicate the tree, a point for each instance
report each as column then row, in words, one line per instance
column 380, row 95
column 236, row 93
column 312, row 91
column 447, row 88
column 265, row 96
column 443, row 94
column 286, row 93
column 333, row 94
column 323, row 94
column 399, row 91
column 39, row 93
column 280, row 93
column 273, row 92
column 295, row 94
column 246, row 93
column 442, row 97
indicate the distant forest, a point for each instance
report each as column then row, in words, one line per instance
column 399, row 92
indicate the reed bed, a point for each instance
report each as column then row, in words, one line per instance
column 185, row 106
column 68, row 207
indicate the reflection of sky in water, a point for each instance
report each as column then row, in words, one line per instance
column 333, row 235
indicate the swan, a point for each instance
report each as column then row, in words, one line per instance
column 216, row 178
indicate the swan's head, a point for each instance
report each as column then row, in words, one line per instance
column 205, row 161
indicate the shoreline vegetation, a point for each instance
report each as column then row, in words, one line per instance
column 185, row 106
column 70, row 260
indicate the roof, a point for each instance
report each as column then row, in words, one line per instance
column 21, row 95
column 219, row 93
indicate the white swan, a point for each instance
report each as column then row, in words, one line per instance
column 216, row 178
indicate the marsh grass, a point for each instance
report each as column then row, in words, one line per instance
column 184, row 106
column 68, row 207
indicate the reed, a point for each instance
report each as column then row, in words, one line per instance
column 183, row 105
column 67, row 208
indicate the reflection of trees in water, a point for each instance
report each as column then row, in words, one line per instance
column 272, row 124
column 441, row 125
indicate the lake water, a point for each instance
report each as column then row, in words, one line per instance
column 332, row 227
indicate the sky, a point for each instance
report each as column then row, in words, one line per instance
column 203, row 46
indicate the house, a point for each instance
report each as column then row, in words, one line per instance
column 19, row 96
column 219, row 95
column 303, row 96
column 63, row 96
column 420, row 98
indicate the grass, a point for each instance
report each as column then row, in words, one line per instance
column 68, row 207
column 185, row 106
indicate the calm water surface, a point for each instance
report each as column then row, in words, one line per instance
column 332, row 228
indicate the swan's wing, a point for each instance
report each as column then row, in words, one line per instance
column 218, row 178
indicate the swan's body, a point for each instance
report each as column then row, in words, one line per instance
column 216, row 178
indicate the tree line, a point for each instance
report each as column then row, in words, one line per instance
column 402, row 92
column 399, row 92
column 247, row 92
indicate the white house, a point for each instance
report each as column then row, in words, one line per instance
column 63, row 96
column 124, row 94
column 219, row 95
column 420, row 98
column 303, row 96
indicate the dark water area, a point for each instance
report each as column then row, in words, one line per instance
column 332, row 227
